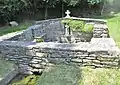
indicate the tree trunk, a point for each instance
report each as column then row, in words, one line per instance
column 102, row 8
column 62, row 9
column 46, row 11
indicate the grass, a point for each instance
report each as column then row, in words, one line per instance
column 29, row 80
column 5, row 67
column 8, row 29
column 68, row 75
column 61, row 75
column 73, row 75
column 114, row 26
column 100, row 76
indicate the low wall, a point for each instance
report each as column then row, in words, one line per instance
column 33, row 57
column 53, row 29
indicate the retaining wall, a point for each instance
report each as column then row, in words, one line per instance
column 33, row 57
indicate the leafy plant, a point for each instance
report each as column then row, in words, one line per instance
column 92, row 2
column 77, row 25
column 88, row 28
column 10, row 8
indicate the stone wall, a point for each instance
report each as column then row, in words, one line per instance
column 33, row 57
column 100, row 31
column 53, row 29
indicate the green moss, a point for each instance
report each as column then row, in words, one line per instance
column 38, row 40
column 29, row 80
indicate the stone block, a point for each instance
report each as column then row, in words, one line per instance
column 77, row 60
column 30, row 53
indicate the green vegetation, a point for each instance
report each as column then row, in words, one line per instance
column 9, row 9
column 100, row 76
column 88, row 28
column 38, row 40
column 113, row 25
column 22, row 26
column 114, row 28
column 5, row 67
column 61, row 75
column 73, row 75
column 29, row 80
column 77, row 25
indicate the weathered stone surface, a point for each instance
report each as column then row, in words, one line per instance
column 77, row 60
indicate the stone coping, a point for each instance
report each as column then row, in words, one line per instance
column 84, row 19
column 90, row 19
column 96, row 44
column 17, row 43
column 64, row 46
column 10, row 35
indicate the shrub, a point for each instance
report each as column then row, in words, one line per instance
column 10, row 8
column 88, row 28
column 77, row 25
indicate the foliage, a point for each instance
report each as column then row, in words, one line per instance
column 92, row 2
column 22, row 26
column 72, row 2
column 9, row 8
column 50, row 3
column 88, row 28
column 38, row 40
column 29, row 80
column 77, row 25
column 60, row 75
